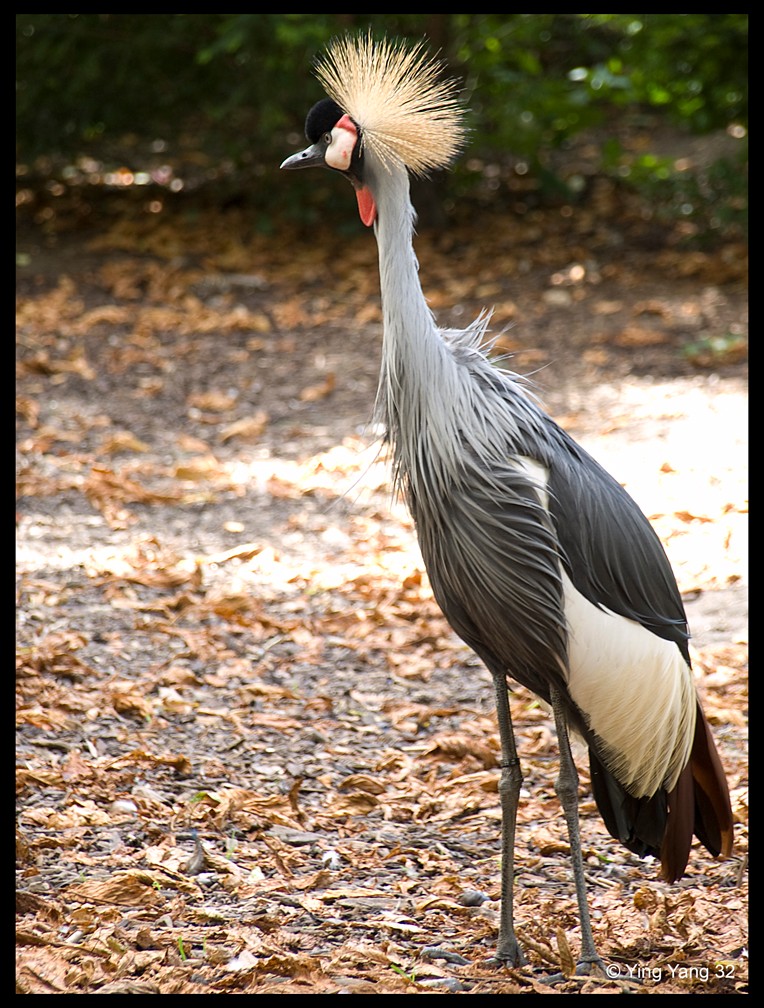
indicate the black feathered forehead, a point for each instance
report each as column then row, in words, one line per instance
column 322, row 118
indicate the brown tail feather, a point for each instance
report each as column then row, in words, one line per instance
column 700, row 804
column 711, row 793
column 677, row 840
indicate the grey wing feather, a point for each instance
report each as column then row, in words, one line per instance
column 613, row 555
column 493, row 561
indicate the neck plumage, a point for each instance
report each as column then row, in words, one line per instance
column 419, row 388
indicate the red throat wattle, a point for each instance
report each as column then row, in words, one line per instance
column 367, row 208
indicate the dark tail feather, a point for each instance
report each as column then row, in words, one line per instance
column 639, row 823
column 701, row 797
column 664, row 824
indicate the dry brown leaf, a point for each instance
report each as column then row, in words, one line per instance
column 246, row 429
column 320, row 391
column 456, row 746
column 178, row 762
column 134, row 887
column 111, row 315
column 244, row 551
column 45, row 778
column 653, row 306
column 359, row 803
column 281, row 488
column 640, row 336
column 128, row 987
column 218, row 402
column 53, row 655
column 29, row 409
column 202, row 467
column 125, row 700
column 364, row 783
column 687, row 516
column 77, row 814
column 146, row 562
column 122, row 441
column 42, row 363
column 567, row 960
column 74, row 768
column 607, row 307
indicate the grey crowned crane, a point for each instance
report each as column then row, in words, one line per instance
column 539, row 559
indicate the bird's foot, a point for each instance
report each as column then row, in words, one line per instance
column 592, row 966
column 508, row 954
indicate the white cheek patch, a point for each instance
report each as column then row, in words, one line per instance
column 340, row 150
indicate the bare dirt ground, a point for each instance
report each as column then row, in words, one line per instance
column 252, row 757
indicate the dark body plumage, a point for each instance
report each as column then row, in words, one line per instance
column 494, row 555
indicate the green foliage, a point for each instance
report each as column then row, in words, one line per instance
column 236, row 87
column 536, row 79
column 695, row 66
column 713, row 198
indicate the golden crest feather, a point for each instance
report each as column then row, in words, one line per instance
column 408, row 115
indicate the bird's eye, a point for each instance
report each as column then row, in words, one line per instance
column 327, row 138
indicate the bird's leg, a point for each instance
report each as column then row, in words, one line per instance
column 567, row 792
column 508, row 950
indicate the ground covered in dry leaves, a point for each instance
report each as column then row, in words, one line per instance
column 252, row 758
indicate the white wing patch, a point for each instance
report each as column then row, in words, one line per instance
column 539, row 474
column 636, row 691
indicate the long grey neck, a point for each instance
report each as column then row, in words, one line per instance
column 419, row 388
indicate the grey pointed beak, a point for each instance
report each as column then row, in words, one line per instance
column 311, row 157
